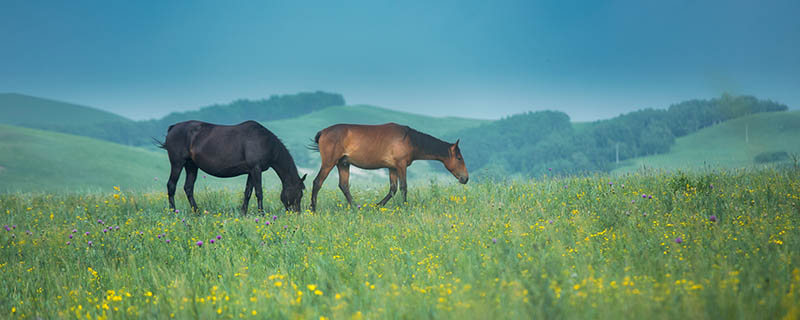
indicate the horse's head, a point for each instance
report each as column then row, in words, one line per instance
column 455, row 164
column 292, row 194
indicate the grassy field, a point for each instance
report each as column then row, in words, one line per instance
column 651, row 245
column 724, row 145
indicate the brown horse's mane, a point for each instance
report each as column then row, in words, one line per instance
column 427, row 144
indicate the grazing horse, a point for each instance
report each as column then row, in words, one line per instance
column 389, row 146
column 229, row 151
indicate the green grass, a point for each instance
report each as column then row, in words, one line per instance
column 573, row 248
column 19, row 109
column 724, row 145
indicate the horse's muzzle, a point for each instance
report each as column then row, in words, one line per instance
column 463, row 180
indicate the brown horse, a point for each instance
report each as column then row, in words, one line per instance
column 389, row 146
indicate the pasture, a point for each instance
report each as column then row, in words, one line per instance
column 704, row 245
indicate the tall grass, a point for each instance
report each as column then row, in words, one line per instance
column 655, row 245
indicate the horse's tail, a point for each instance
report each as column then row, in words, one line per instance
column 158, row 143
column 161, row 144
column 315, row 145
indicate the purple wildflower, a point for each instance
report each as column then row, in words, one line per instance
column 219, row 237
column 550, row 221
column 168, row 241
column 74, row 230
column 266, row 224
column 256, row 220
column 90, row 243
column 713, row 218
column 177, row 211
column 199, row 243
column 274, row 218
column 678, row 240
column 87, row 233
column 159, row 236
column 105, row 230
column 211, row 241
column 644, row 195
column 494, row 240
column 70, row 236
column 69, row 242
column 99, row 221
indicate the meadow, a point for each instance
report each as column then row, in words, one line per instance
column 671, row 245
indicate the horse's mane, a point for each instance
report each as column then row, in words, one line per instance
column 427, row 144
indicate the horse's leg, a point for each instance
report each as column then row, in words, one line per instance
column 392, row 186
column 323, row 173
column 257, row 185
column 174, row 174
column 248, row 190
column 401, row 174
column 344, row 181
column 188, row 185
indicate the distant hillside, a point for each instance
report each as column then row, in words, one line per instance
column 32, row 112
column 22, row 110
column 546, row 142
column 38, row 160
column 732, row 144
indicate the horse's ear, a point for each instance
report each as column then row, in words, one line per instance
column 304, row 177
column 456, row 144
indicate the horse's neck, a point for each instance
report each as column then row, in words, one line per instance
column 286, row 170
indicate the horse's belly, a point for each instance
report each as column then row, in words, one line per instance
column 369, row 164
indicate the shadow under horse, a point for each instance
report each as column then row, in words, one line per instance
column 229, row 151
column 389, row 146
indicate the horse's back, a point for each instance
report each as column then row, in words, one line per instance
column 366, row 146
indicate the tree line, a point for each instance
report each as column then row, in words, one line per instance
column 547, row 142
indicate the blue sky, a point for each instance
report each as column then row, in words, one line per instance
column 485, row 59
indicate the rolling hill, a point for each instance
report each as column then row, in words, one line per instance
column 725, row 146
column 23, row 110
column 38, row 160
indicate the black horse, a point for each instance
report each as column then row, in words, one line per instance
column 229, row 151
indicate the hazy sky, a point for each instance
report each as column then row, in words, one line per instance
column 486, row 59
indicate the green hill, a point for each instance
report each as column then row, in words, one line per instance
column 725, row 145
column 22, row 110
column 38, row 160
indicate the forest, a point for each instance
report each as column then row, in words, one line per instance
column 547, row 142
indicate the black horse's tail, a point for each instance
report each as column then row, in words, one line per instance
column 158, row 143
column 315, row 145
column 161, row 144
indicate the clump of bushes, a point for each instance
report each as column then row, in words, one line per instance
column 771, row 156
